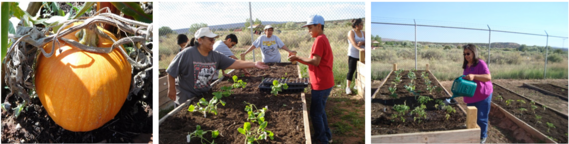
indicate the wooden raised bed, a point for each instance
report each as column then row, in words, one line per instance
column 289, row 122
column 527, row 120
column 464, row 129
column 549, row 89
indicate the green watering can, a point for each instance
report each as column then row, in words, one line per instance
column 462, row 87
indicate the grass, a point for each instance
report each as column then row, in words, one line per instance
column 447, row 64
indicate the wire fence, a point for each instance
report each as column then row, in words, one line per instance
column 236, row 18
column 507, row 59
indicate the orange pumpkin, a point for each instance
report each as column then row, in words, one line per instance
column 82, row 90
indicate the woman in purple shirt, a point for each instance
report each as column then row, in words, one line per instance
column 477, row 70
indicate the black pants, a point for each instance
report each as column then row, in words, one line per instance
column 352, row 65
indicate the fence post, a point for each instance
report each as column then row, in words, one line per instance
column 546, row 52
column 489, row 43
column 415, row 43
column 251, row 26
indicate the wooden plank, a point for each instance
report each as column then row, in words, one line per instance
column 529, row 129
column 545, row 91
column 451, row 136
column 536, row 102
column 360, row 79
column 383, row 82
column 471, row 116
column 163, row 83
column 182, row 106
column 305, row 113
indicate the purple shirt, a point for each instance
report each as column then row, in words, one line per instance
column 483, row 89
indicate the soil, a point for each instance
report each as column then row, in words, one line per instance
column 383, row 123
column 503, row 130
column 548, row 115
column 550, row 101
column 284, row 117
column 132, row 124
column 553, row 88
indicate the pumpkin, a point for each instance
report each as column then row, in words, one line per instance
column 82, row 90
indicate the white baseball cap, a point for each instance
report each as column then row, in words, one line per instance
column 314, row 19
column 268, row 27
column 204, row 31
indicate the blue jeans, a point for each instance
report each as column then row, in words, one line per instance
column 483, row 112
column 318, row 114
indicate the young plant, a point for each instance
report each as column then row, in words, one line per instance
column 532, row 102
column 411, row 75
column 439, row 103
column 500, row 97
column 431, row 88
column 447, row 116
column 254, row 114
column 226, row 90
column 424, row 75
column 410, row 87
column 538, row 118
column 521, row 101
column 278, row 87
column 549, row 126
column 252, row 135
column 522, row 110
column 508, row 101
column 397, row 72
column 449, row 109
column 392, row 91
column 397, row 80
column 238, row 83
column 199, row 133
column 419, row 112
column 401, row 110
column 533, row 107
column 424, row 99
column 544, row 107
column 205, row 107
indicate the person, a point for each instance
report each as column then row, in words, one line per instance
column 269, row 45
column 356, row 44
column 320, row 65
column 224, row 46
column 195, row 67
column 182, row 41
column 476, row 69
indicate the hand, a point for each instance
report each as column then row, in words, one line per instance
column 247, row 74
column 226, row 75
column 172, row 95
column 362, row 49
column 361, row 43
column 291, row 53
column 243, row 55
column 469, row 77
column 292, row 58
column 261, row 65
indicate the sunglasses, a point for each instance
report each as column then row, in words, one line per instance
column 466, row 54
column 232, row 45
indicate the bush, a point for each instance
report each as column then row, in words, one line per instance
column 384, row 56
column 554, row 58
column 431, row 55
column 405, row 54
column 164, row 31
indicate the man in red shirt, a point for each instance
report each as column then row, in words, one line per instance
column 321, row 77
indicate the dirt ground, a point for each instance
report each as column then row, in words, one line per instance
column 499, row 135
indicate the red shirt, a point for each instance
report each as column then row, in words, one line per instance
column 321, row 76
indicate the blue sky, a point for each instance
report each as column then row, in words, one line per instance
column 511, row 16
column 182, row 14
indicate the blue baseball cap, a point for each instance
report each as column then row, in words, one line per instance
column 314, row 19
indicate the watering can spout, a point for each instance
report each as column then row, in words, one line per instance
column 461, row 87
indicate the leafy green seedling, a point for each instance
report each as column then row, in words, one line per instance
column 522, row 110
column 424, row 99
column 500, row 97
column 508, row 101
column 401, row 110
column 544, row 107
column 549, row 126
column 253, row 136
column 254, row 114
column 532, row 102
column 278, row 87
column 397, row 80
column 199, row 133
column 447, row 116
column 392, row 91
column 410, row 87
column 238, row 83
column 431, row 88
column 397, row 72
column 449, row 109
column 521, row 101
column 533, row 107
column 538, row 118
column 419, row 112
column 205, row 107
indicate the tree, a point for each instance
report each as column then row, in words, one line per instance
column 164, row 30
column 248, row 22
column 522, row 48
column 447, row 47
column 195, row 27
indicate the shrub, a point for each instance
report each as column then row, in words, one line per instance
column 554, row 58
column 432, row 55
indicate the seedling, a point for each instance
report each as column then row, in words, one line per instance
column 254, row 114
column 500, row 97
column 226, row 90
column 392, row 91
column 533, row 107
column 544, row 107
column 549, row 126
column 401, row 110
column 397, row 80
column 419, row 112
column 538, row 118
column 205, row 107
column 424, row 99
column 411, row 76
column 253, row 136
column 521, row 101
column 199, row 133
column 410, row 87
column 447, row 116
column 522, row 110
column 424, row 75
column 238, row 83
column 397, row 72
column 532, row 102
column 449, row 109
column 508, row 101
column 431, row 88
column 278, row 87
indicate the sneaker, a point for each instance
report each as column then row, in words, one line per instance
column 483, row 140
column 348, row 90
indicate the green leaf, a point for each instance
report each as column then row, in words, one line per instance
column 191, row 108
column 263, row 125
column 15, row 10
column 87, row 7
column 247, row 126
column 285, row 86
column 271, row 134
column 222, row 102
column 234, row 78
column 11, row 28
column 5, row 26
column 241, row 130
column 218, row 95
column 133, row 9
column 275, row 82
column 198, row 127
column 213, row 100
column 203, row 101
column 214, row 134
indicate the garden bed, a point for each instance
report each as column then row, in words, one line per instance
column 386, row 128
column 549, row 89
column 286, row 114
column 523, row 111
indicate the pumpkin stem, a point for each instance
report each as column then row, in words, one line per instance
column 88, row 36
